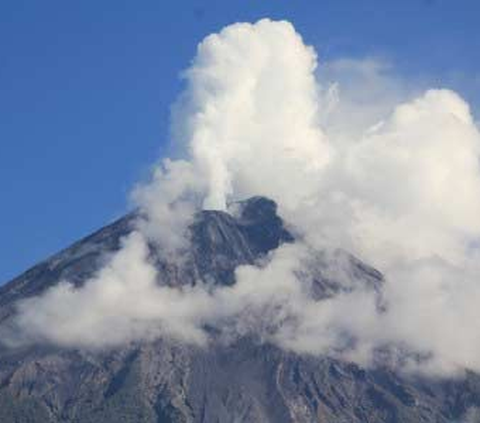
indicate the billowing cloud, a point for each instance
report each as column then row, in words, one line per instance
column 251, row 108
column 365, row 164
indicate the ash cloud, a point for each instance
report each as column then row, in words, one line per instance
column 387, row 173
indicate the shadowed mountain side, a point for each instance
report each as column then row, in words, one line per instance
column 245, row 382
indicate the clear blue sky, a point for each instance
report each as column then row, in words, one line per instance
column 85, row 90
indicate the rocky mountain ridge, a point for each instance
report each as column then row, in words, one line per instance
column 244, row 381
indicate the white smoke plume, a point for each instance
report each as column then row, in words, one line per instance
column 251, row 108
column 363, row 165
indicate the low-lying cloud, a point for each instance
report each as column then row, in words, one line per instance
column 388, row 174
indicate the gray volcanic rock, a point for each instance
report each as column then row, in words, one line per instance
column 75, row 264
column 220, row 242
column 245, row 381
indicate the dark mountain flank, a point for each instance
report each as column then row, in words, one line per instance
column 247, row 380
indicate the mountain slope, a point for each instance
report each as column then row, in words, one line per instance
column 244, row 381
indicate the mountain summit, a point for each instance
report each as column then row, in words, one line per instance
column 245, row 380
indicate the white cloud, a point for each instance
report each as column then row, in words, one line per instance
column 412, row 183
column 168, row 204
column 122, row 303
column 362, row 165
column 250, row 108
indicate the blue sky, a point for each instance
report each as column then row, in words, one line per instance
column 85, row 91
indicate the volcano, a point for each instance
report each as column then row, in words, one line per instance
column 245, row 380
